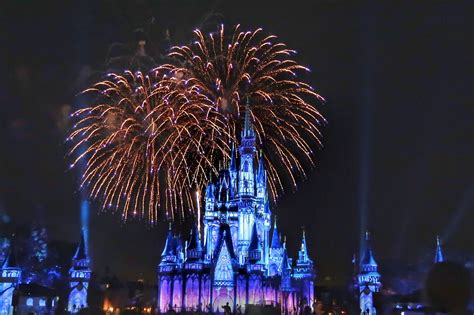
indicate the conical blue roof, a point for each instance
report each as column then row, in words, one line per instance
column 368, row 258
column 254, row 243
column 169, row 249
column 276, row 242
column 439, row 257
column 303, row 253
column 195, row 240
column 81, row 251
column 285, row 263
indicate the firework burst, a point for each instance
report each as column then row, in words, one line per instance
column 250, row 67
column 149, row 142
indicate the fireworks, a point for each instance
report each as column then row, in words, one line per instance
column 149, row 142
column 254, row 68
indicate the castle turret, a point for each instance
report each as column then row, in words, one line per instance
column 276, row 252
column 439, row 257
column 368, row 279
column 169, row 256
column 304, row 273
column 194, row 249
column 79, row 277
column 304, row 265
column 9, row 279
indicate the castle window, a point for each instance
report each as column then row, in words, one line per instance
column 224, row 274
column 42, row 302
column 29, row 302
column 246, row 166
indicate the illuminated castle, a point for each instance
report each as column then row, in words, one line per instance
column 238, row 264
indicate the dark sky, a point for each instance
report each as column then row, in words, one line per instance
column 398, row 146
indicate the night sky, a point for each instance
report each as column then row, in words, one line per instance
column 398, row 149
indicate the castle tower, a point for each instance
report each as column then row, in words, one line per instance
column 304, row 273
column 79, row 277
column 439, row 257
column 246, row 187
column 368, row 279
column 9, row 279
column 286, row 286
column 247, row 153
column 304, row 265
column 167, row 267
column 276, row 252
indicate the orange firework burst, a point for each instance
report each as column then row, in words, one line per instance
column 148, row 141
column 252, row 67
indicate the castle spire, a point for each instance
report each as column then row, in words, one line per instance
column 285, row 272
column 303, row 253
column 248, row 131
column 194, row 240
column 254, row 243
column 194, row 247
column 439, row 257
column 368, row 260
column 247, row 149
column 169, row 249
column 255, row 250
column 276, row 243
column 81, row 251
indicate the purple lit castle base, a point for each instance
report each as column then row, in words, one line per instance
column 239, row 264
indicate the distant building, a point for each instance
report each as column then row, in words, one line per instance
column 413, row 304
column 239, row 264
column 368, row 279
column 36, row 299
column 9, row 279
column 79, row 277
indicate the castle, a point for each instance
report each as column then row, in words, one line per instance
column 235, row 264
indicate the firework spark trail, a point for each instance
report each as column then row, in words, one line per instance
column 250, row 66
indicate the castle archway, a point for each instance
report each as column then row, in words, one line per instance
column 222, row 301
